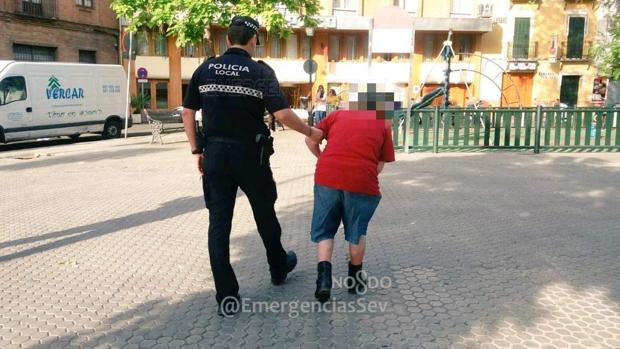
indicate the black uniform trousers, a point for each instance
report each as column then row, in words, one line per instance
column 227, row 167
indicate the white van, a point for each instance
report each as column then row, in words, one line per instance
column 61, row 99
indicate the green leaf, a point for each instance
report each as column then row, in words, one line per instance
column 188, row 20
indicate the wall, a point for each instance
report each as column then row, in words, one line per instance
column 67, row 42
column 370, row 7
column 100, row 15
column 435, row 8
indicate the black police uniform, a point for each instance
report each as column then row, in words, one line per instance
column 233, row 91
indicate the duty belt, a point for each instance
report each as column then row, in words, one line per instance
column 230, row 140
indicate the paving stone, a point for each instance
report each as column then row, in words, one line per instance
column 487, row 249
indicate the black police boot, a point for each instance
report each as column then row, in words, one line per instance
column 229, row 306
column 291, row 262
column 356, row 283
column 323, row 282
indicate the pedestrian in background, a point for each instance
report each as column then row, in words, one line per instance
column 332, row 100
column 320, row 105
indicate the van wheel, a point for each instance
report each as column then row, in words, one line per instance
column 75, row 137
column 112, row 129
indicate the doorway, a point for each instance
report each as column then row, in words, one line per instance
column 517, row 89
column 569, row 92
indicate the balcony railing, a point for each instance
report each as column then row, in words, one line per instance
column 36, row 8
column 576, row 50
column 522, row 52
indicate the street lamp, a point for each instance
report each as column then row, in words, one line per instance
column 310, row 34
column 128, row 96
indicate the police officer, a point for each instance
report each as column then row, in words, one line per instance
column 233, row 151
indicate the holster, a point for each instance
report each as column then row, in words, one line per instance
column 200, row 142
column 265, row 145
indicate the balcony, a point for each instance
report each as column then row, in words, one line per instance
column 469, row 25
column 289, row 71
column 357, row 71
column 521, row 52
column 36, row 8
column 575, row 50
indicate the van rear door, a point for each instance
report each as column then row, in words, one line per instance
column 15, row 107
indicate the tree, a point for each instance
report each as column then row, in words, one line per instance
column 607, row 50
column 187, row 20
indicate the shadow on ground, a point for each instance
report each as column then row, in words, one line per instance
column 519, row 252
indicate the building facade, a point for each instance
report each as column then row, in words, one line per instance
column 546, row 52
column 59, row 30
column 505, row 52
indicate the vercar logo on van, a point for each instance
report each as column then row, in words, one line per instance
column 56, row 91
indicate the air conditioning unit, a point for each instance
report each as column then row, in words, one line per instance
column 485, row 10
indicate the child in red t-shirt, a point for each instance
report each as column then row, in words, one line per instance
column 359, row 143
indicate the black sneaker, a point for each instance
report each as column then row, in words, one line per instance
column 291, row 262
column 229, row 306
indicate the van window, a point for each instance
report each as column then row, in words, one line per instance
column 12, row 89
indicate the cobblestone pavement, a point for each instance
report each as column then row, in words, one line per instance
column 103, row 244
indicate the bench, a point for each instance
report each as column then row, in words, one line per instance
column 157, row 121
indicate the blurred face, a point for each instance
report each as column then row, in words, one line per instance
column 371, row 97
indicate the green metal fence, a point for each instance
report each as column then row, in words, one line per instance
column 537, row 129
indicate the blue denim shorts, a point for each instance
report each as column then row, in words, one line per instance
column 332, row 206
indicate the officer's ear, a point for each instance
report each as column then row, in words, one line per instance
column 228, row 41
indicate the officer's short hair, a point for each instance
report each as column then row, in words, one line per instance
column 239, row 35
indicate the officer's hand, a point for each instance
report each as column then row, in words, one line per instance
column 199, row 159
column 316, row 135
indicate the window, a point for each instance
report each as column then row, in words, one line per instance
column 141, row 43
column 462, row 8
column 352, row 45
column 161, row 95
column 260, row 49
column 463, row 45
column 334, row 48
column 189, row 50
column 576, row 34
column 291, row 47
column 521, row 38
column 34, row 53
column 410, row 6
column 84, row 3
column 207, row 48
column 275, row 46
column 32, row 7
column 345, row 7
column 429, row 45
column 184, row 86
column 88, row 56
column 12, row 89
column 221, row 43
column 306, row 48
column 161, row 44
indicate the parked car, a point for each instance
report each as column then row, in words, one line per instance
column 41, row 100
column 176, row 113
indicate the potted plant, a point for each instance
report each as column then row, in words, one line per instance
column 138, row 103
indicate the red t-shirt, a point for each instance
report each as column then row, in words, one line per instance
column 356, row 142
